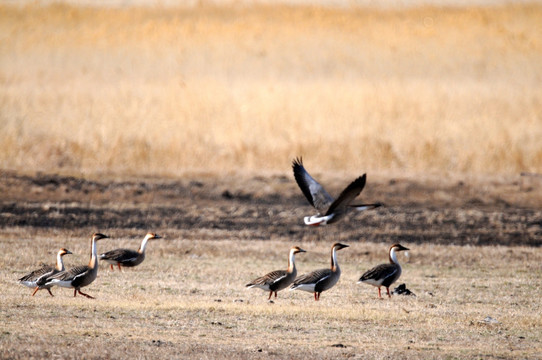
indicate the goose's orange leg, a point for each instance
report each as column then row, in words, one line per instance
column 87, row 295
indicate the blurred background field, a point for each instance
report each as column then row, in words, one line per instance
column 140, row 116
column 230, row 88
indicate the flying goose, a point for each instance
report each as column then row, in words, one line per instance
column 36, row 279
column 128, row 257
column 323, row 279
column 278, row 279
column 329, row 210
column 384, row 274
column 82, row 275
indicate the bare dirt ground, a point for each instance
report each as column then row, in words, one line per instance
column 176, row 92
column 474, row 267
column 436, row 211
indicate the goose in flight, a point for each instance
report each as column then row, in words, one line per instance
column 329, row 209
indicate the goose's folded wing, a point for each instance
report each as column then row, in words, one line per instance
column 37, row 274
column 120, row 255
column 268, row 279
column 313, row 191
column 313, row 277
column 379, row 272
column 69, row 275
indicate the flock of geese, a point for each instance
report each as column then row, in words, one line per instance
column 329, row 210
column 83, row 275
column 324, row 279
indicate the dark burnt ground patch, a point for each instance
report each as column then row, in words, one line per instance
column 265, row 208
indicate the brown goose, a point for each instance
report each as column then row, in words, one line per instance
column 128, row 257
column 323, row 279
column 36, row 279
column 329, row 210
column 79, row 276
column 385, row 274
column 278, row 279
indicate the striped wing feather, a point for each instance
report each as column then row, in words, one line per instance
column 313, row 277
column 38, row 274
column 269, row 279
column 380, row 272
column 120, row 255
column 71, row 274
column 348, row 194
column 313, row 191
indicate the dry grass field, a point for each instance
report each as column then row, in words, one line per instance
column 475, row 266
column 187, row 300
column 150, row 90
column 184, row 121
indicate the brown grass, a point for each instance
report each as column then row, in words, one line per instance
column 223, row 89
column 166, row 91
column 188, row 300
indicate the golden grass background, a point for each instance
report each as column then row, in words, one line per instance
column 165, row 91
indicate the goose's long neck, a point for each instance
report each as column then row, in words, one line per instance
column 291, row 262
column 59, row 262
column 93, row 263
column 393, row 257
column 141, row 249
column 334, row 263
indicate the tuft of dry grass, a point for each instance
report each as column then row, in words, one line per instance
column 167, row 90
column 188, row 298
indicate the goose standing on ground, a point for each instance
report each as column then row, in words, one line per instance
column 385, row 274
column 128, row 257
column 82, row 275
column 323, row 279
column 329, row 210
column 36, row 279
column 278, row 279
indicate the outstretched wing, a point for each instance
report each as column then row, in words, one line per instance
column 313, row 191
column 348, row 194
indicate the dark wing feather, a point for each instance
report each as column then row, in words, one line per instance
column 37, row 274
column 313, row 277
column 313, row 191
column 348, row 194
column 70, row 274
column 269, row 279
column 379, row 272
column 120, row 255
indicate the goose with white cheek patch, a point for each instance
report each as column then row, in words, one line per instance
column 329, row 210
column 323, row 279
column 278, row 279
column 79, row 276
column 36, row 279
column 128, row 257
column 385, row 274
